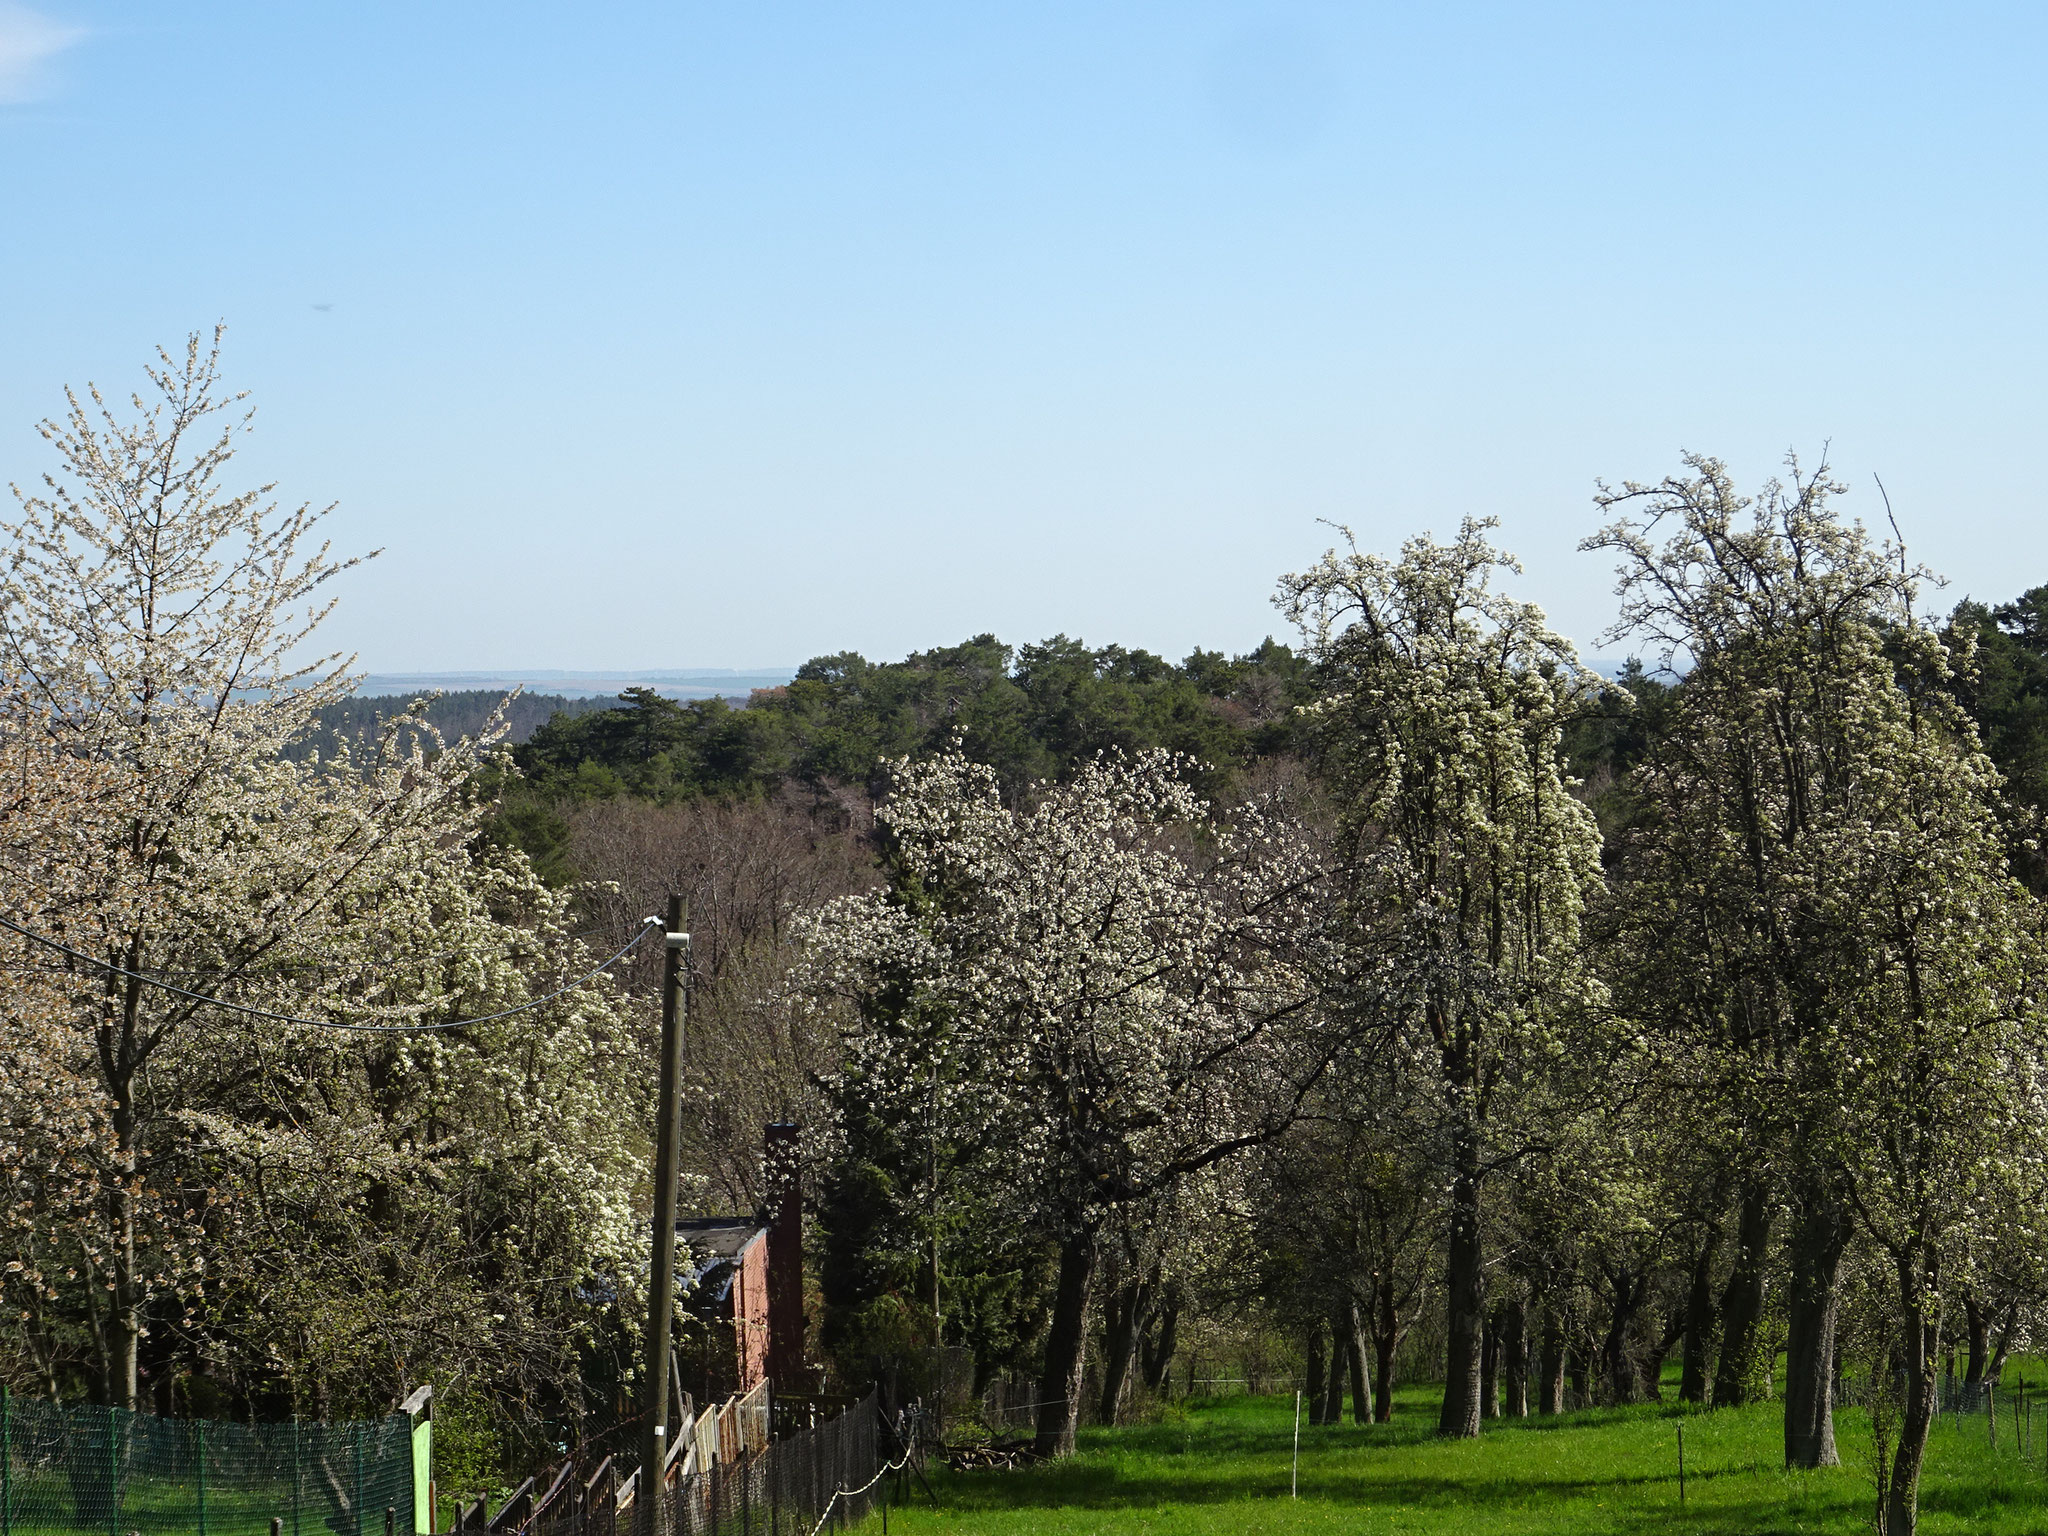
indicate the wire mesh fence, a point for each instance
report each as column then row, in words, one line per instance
column 829, row 1475
column 112, row 1471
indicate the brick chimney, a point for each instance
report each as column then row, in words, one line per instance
column 785, row 1261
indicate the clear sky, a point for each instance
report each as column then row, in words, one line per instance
column 725, row 335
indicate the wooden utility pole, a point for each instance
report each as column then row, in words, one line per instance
column 667, row 1169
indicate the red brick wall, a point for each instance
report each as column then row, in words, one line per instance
column 750, row 1312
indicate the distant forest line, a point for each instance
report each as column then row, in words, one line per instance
column 1036, row 712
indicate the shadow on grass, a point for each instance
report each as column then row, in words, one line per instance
column 1238, row 1452
column 1641, row 1503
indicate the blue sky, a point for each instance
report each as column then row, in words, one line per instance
column 695, row 335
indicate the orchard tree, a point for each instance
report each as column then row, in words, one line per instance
column 149, row 625
column 1468, row 862
column 1826, row 937
column 1072, row 1009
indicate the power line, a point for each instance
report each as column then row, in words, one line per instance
column 647, row 927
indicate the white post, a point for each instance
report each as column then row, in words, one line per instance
column 1294, row 1482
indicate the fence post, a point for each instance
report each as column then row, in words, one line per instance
column 359, row 1480
column 298, row 1475
column 113, row 1475
column 199, row 1448
column 6, row 1463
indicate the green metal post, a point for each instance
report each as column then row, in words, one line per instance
column 113, row 1474
column 298, row 1473
column 199, row 1440
column 359, row 1480
column 6, row 1464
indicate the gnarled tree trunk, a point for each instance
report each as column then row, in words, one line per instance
column 1741, row 1374
column 1066, row 1348
column 1125, row 1319
column 1156, row 1346
column 1630, row 1292
column 1819, row 1239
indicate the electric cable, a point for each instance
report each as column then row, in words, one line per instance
column 646, row 927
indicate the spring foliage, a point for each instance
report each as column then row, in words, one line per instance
column 316, row 1217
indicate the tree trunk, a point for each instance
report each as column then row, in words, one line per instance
column 1066, row 1348
column 1818, row 1243
column 1354, row 1358
column 1386, row 1337
column 1514, row 1355
column 1994, row 1373
column 1630, row 1291
column 119, row 1068
column 1124, row 1320
column 1464, row 1296
column 1978, row 1327
column 1550, row 1383
column 1693, row 1372
column 1742, row 1373
column 1333, row 1390
column 1313, row 1383
column 1489, row 1369
column 1155, row 1348
column 1650, row 1363
column 1920, row 1343
column 125, row 1330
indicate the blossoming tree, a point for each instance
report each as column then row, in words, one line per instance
column 151, row 630
column 1468, row 861
column 1080, row 1004
column 1827, row 934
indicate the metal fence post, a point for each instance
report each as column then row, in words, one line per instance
column 113, row 1475
column 199, row 1446
column 298, row 1475
column 359, row 1480
column 6, row 1463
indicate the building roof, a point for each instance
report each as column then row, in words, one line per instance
column 715, row 1244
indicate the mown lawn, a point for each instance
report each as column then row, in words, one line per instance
column 1224, row 1469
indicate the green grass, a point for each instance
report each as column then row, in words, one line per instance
column 1224, row 1470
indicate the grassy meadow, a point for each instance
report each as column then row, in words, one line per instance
column 1221, row 1467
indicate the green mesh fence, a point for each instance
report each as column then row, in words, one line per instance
column 114, row 1472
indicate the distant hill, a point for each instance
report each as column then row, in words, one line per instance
column 456, row 714
column 697, row 683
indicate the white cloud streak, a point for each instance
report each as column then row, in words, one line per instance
column 28, row 41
